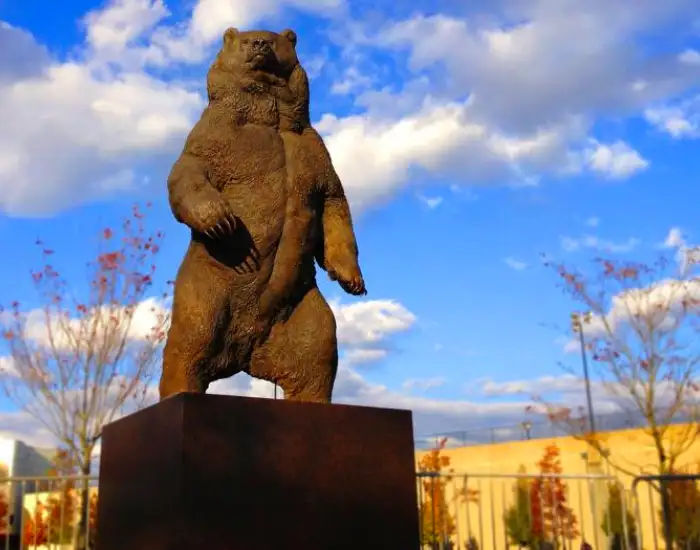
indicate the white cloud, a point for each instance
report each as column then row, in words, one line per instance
column 431, row 202
column 359, row 356
column 616, row 161
column 515, row 264
column 99, row 122
column 20, row 56
column 429, row 415
column 438, row 138
column 245, row 386
column 687, row 255
column 66, row 334
column 370, row 321
column 593, row 73
column 545, row 384
column 514, row 125
column 572, row 244
column 674, row 239
column 680, row 119
column 352, row 81
column 190, row 41
column 7, row 366
column 593, row 221
column 423, row 384
column 690, row 56
column 660, row 305
column 120, row 22
column 89, row 131
column 24, row 427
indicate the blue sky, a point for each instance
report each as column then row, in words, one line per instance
column 470, row 137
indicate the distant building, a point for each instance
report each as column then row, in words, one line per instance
column 20, row 460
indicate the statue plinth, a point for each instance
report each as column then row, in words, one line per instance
column 216, row 472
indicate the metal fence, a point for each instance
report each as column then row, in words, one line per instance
column 456, row 511
column 556, row 511
column 42, row 513
column 676, row 497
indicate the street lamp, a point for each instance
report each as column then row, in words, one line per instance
column 577, row 322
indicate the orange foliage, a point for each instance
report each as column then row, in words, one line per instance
column 552, row 519
column 437, row 524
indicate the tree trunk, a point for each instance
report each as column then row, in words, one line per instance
column 81, row 540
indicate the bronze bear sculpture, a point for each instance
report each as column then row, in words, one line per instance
column 256, row 186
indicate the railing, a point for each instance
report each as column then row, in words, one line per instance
column 456, row 511
column 677, row 499
column 556, row 511
column 43, row 512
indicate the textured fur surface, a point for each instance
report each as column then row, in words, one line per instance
column 256, row 186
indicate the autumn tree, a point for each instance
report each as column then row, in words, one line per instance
column 4, row 509
column 518, row 517
column 87, row 354
column 618, row 520
column 640, row 325
column 553, row 520
column 35, row 531
column 437, row 524
column 92, row 519
column 684, row 512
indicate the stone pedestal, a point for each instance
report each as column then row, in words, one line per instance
column 216, row 472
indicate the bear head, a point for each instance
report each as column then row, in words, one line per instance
column 252, row 56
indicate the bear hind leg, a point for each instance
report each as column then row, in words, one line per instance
column 301, row 353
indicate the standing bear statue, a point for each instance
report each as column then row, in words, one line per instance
column 255, row 185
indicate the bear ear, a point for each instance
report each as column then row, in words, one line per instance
column 290, row 35
column 230, row 34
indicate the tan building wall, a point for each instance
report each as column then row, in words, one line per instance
column 588, row 499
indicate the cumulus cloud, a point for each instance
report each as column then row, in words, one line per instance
column 429, row 415
column 674, row 239
column 24, row 427
column 514, row 125
column 352, row 80
column 101, row 121
column 70, row 136
column 370, row 321
column 687, row 255
column 616, row 161
column 20, row 56
column 7, row 366
column 438, row 138
column 517, row 265
column 595, row 72
column 661, row 305
column 364, row 329
column 431, row 202
column 572, row 244
column 680, row 119
column 63, row 334
column 423, row 384
column 245, row 386
column 99, row 124
column 360, row 356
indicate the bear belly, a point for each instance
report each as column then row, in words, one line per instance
column 247, row 165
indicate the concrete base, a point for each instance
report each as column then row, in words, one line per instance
column 232, row 473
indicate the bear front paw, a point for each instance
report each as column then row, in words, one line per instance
column 353, row 284
column 214, row 218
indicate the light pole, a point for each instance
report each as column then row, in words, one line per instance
column 577, row 322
